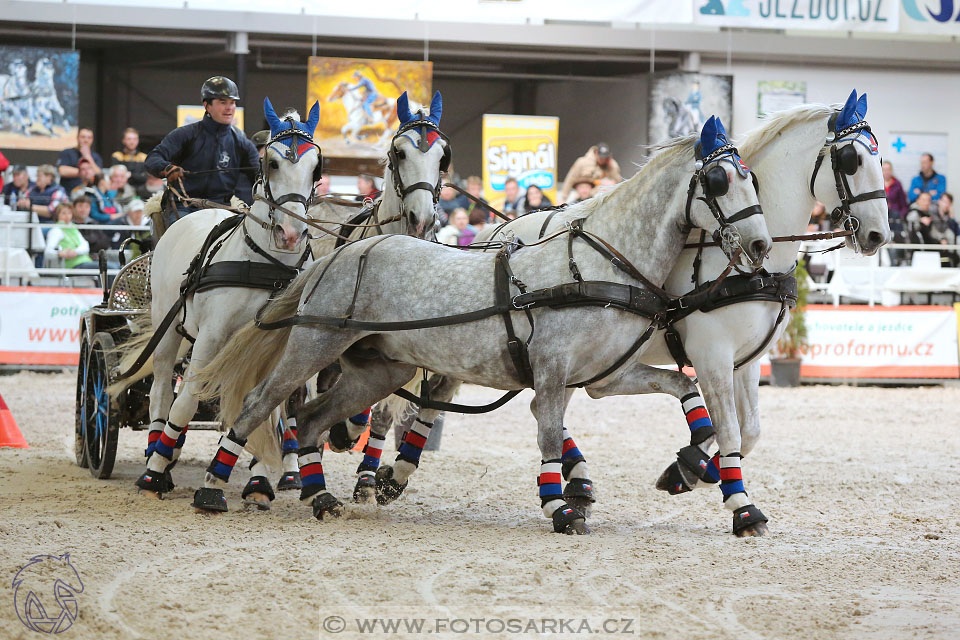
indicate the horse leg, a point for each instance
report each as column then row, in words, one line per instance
column 717, row 384
column 258, row 492
column 363, row 383
column 365, row 489
column 746, row 385
column 290, row 479
column 391, row 481
column 156, row 480
column 551, row 405
column 304, row 349
column 694, row 466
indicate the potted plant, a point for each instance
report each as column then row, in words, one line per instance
column 785, row 363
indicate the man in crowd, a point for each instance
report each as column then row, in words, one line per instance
column 130, row 156
column 121, row 190
column 366, row 187
column 583, row 190
column 210, row 145
column 475, row 189
column 451, row 199
column 97, row 238
column 17, row 192
column 595, row 164
column 134, row 217
column 69, row 161
column 927, row 181
column 511, row 197
column 46, row 195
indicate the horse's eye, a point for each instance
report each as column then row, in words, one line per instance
column 401, row 154
column 274, row 164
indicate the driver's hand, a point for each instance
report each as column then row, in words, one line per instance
column 173, row 173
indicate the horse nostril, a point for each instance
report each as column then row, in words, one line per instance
column 875, row 239
column 759, row 249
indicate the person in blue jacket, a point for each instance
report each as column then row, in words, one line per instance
column 208, row 144
column 927, row 181
column 371, row 93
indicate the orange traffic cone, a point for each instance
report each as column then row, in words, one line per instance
column 10, row 435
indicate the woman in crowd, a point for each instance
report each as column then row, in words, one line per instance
column 458, row 232
column 896, row 197
column 64, row 241
column 534, row 200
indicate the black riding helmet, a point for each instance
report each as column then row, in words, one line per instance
column 219, row 87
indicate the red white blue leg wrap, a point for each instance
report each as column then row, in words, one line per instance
column 549, row 483
column 156, row 428
column 695, row 411
column 311, row 473
column 371, row 456
column 413, row 441
column 571, row 455
column 231, row 446
column 362, row 418
column 167, row 447
column 731, row 481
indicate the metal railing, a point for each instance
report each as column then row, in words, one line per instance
column 6, row 235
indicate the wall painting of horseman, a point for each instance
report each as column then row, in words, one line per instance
column 358, row 97
column 681, row 102
column 38, row 98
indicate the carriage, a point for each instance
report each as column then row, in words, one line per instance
column 100, row 414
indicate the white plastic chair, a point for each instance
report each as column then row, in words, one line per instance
column 925, row 260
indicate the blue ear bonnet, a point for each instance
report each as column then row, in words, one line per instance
column 296, row 136
column 410, row 120
column 714, row 146
column 850, row 123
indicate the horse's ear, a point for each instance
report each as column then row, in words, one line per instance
column 708, row 136
column 314, row 118
column 403, row 108
column 436, row 108
column 846, row 116
column 721, row 131
column 271, row 116
column 862, row 107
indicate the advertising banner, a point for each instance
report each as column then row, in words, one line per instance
column 520, row 147
column 358, row 101
column 819, row 15
column 930, row 17
column 187, row 113
column 854, row 341
column 38, row 98
column 41, row 325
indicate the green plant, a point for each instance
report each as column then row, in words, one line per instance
column 793, row 340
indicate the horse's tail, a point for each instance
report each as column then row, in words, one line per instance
column 250, row 355
column 393, row 407
column 127, row 352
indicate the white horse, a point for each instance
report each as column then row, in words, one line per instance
column 47, row 109
column 384, row 114
column 645, row 216
column 16, row 106
column 724, row 345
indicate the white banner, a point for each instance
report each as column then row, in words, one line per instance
column 820, row 15
column 41, row 325
column 931, row 17
column 880, row 342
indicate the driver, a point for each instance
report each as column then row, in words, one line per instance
column 208, row 144
column 370, row 92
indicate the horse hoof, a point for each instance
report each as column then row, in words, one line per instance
column 207, row 500
column 570, row 521
column 580, row 494
column 290, row 481
column 325, row 504
column 672, row 481
column 339, row 439
column 577, row 528
column 153, row 484
column 755, row 530
column 365, row 492
column 259, row 500
column 387, row 489
column 585, row 505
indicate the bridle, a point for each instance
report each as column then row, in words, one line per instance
column 298, row 143
column 424, row 126
column 714, row 183
column 845, row 161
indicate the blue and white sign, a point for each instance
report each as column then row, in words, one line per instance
column 821, row 15
column 940, row 17
column 905, row 148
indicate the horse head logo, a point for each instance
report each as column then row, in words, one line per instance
column 45, row 593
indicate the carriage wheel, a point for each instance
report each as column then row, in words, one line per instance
column 102, row 418
column 79, row 447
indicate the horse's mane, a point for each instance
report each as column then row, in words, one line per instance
column 664, row 153
column 771, row 126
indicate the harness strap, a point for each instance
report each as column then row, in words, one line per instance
column 456, row 407
column 518, row 350
column 546, row 223
column 361, row 266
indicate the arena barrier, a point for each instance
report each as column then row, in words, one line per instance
column 40, row 326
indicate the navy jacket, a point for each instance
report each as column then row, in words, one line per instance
column 201, row 146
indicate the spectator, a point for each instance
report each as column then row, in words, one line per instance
column 534, row 200
column 511, row 197
column 458, row 228
column 97, row 238
column 68, row 164
column 120, row 190
column 322, row 187
column 475, row 189
column 451, row 199
column 46, row 195
column 17, row 193
column 64, row 241
column 4, row 164
column 583, row 190
column 130, row 156
column 134, row 217
column 819, row 220
column 152, row 186
column 945, row 207
column 366, row 187
column 596, row 163
column 478, row 220
column 927, row 181
column 93, row 186
column 896, row 198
